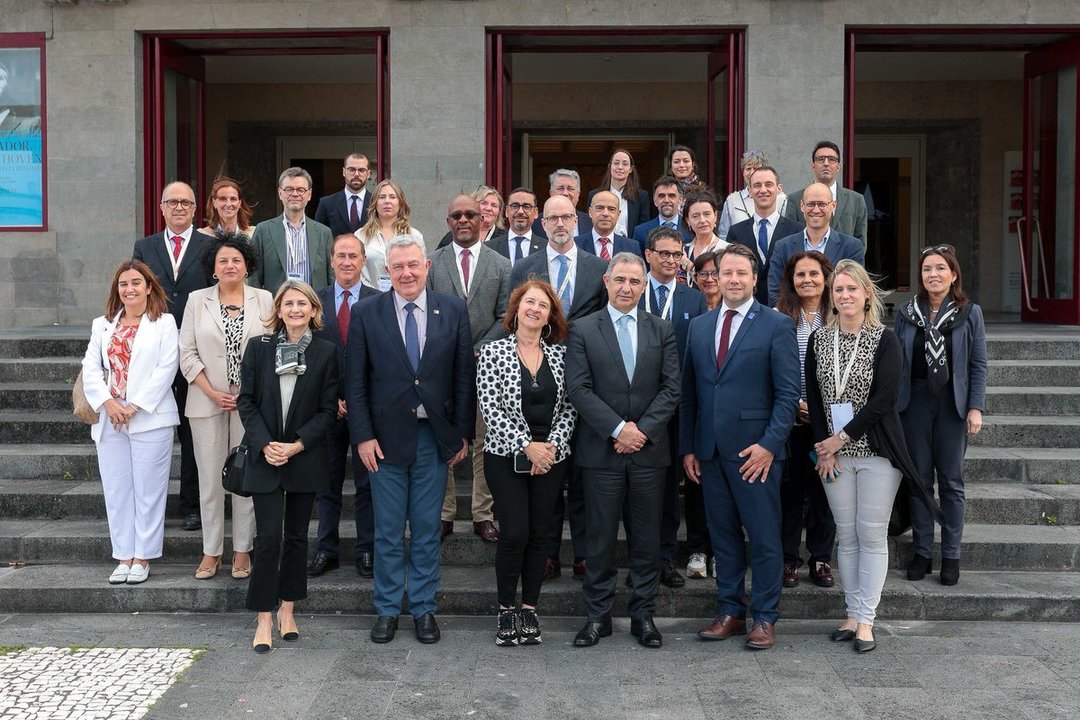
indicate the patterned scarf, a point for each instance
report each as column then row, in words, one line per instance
column 289, row 357
column 917, row 312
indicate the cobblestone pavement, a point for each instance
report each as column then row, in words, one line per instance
column 934, row 671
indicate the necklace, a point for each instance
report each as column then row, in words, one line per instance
column 234, row 308
column 539, row 360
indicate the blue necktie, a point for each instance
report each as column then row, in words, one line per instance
column 562, row 285
column 763, row 238
column 667, row 224
column 412, row 337
column 626, row 346
column 661, row 299
column 519, row 245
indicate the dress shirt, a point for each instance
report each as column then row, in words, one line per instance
column 339, row 295
column 611, row 241
column 653, row 284
column 512, row 239
column 770, row 229
column 808, row 247
column 571, row 269
column 420, row 313
column 615, row 315
column 296, row 252
column 620, row 224
column 169, row 235
column 736, row 322
column 359, row 203
column 474, row 255
column 832, row 189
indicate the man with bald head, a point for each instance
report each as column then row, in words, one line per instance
column 602, row 240
column 849, row 215
column 817, row 207
column 175, row 257
column 472, row 271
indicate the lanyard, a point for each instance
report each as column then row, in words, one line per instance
column 566, row 280
column 666, row 312
column 841, row 382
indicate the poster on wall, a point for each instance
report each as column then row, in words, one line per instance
column 22, row 137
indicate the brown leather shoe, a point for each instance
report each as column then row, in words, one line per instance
column 486, row 530
column 762, row 636
column 579, row 570
column 722, row 628
column 791, row 575
column 552, row 569
column 821, row 574
column 446, row 529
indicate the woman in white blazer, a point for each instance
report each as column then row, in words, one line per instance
column 218, row 321
column 128, row 370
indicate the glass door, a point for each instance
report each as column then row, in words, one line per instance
column 721, row 98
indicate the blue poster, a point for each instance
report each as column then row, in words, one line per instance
column 21, row 156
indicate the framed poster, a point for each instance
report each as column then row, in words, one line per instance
column 22, row 132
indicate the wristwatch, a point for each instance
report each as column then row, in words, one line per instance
column 844, row 436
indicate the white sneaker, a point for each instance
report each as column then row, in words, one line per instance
column 696, row 567
column 120, row 574
column 138, row 573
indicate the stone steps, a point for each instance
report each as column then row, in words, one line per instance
column 1034, row 400
column 1061, row 431
column 45, row 369
column 1026, row 373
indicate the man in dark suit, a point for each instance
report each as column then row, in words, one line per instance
column 347, row 260
column 568, row 184
column 622, row 375
column 175, row 258
column 678, row 304
column 519, row 241
column 767, row 226
column 668, row 199
column 817, row 208
column 292, row 246
column 849, row 216
column 345, row 212
column 602, row 240
column 740, row 391
column 411, row 400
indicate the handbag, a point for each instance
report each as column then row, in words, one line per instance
column 80, row 408
column 232, row 473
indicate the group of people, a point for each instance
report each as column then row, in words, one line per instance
column 615, row 356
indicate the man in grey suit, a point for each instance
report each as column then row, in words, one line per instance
column 292, row 246
column 480, row 276
column 622, row 375
column 850, row 215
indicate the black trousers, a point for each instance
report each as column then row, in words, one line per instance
column 801, row 487
column 575, row 499
column 189, row 472
column 606, row 491
column 279, row 568
column 672, row 513
column 697, row 529
column 328, row 504
column 523, row 504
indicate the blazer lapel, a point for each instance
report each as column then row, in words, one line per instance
column 390, row 326
column 435, row 327
column 277, row 237
column 841, row 206
column 607, row 330
column 212, row 303
column 164, row 260
column 251, row 312
column 449, row 263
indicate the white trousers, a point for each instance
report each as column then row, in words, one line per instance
column 135, row 480
column 212, row 438
column 861, row 500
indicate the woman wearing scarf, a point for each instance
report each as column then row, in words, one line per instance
column 941, row 401
column 288, row 403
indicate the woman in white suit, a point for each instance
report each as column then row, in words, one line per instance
column 218, row 321
column 128, row 371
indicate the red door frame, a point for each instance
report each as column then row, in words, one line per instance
column 155, row 61
column 36, row 40
column 498, row 134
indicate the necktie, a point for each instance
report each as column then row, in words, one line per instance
column 725, row 339
column 667, row 224
column 626, row 346
column 343, row 316
column 177, row 243
column 465, row 259
column 519, row 249
column 562, row 285
column 605, row 253
column 763, row 237
column 661, row 299
column 412, row 337
column 354, row 213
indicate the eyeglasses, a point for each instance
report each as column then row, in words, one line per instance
column 174, row 203
column 939, row 249
column 817, row 204
column 669, row 254
column 527, row 207
column 564, row 219
column 826, row 159
column 356, row 170
column 703, row 274
column 295, row 191
column 468, row 214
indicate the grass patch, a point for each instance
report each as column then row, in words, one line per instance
column 9, row 649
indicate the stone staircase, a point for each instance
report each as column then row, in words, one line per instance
column 1021, row 552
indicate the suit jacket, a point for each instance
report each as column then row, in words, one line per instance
column 330, row 331
column 598, row 387
column 849, row 218
column 752, row 398
column 311, row 414
column 687, row 305
column 269, row 244
column 743, row 233
column 641, row 232
column 333, row 212
column 490, row 289
column 191, row 276
column 151, row 371
column 501, row 245
column 383, row 391
column 496, row 233
column 202, row 341
column 590, row 294
column 584, row 225
column 619, row 243
column 638, row 210
column 839, row 247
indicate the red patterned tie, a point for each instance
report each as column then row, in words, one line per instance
column 605, row 253
column 725, row 337
column 354, row 213
column 343, row 316
column 178, row 242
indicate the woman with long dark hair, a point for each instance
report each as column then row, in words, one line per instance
column 621, row 178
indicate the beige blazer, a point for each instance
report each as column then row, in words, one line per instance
column 202, row 341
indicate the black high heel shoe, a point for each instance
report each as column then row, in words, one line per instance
column 950, row 571
column 919, row 567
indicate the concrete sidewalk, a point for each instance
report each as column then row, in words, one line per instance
column 1012, row 671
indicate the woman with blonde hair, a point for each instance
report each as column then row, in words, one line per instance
column 388, row 218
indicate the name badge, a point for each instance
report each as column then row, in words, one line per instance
column 296, row 276
column 384, row 283
column 842, row 414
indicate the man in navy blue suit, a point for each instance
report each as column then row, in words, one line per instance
column 668, row 200
column 565, row 183
column 817, row 207
column 347, row 259
column 602, row 240
column 765, row 227
column 411, row 391
column 345, row 212
column 739, row 397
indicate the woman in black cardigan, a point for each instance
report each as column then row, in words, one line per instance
column 288, row 401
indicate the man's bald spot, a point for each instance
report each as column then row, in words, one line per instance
column 558, row 205
column 464, row 197
column 821, row 191
column 170, row 186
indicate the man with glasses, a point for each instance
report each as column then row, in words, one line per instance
column 602, row 240
column 765, row 226
column 849, row 216
column 566, row 183
column 520, row 241
column 346, row 212
column 175, row 257
column 291, row 246
column 668, row 201
column 817, row 206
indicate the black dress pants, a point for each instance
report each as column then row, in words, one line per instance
column 189, row 471
column 279, row 568
column 328, row 504
column 801, row 487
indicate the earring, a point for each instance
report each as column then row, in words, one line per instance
column 546, row 332
column 866, row 305
column 835, row 311
column 214, row 276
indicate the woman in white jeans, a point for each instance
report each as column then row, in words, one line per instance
column 852, row 374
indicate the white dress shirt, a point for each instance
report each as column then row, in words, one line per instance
column 620, row 224
column 511, row 245
column 736, row 322
column 169, row 235
column 770, row 229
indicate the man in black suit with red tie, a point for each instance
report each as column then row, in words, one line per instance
column 175, row 258
column 345, row 212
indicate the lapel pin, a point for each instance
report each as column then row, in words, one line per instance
column 750, row 316
column 435, row 311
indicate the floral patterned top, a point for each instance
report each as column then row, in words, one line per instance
column 120, row 358
column 234, row 334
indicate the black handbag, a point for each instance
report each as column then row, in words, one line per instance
column 232, row 473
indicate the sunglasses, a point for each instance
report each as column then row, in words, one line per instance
column 939, row 249
column 470, row 214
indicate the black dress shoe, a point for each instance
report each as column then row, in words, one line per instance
column 427, row 630
column 864, row 646
column 321, row 563
column 646, row 633
column 950, row 571
column 592, row 632
column 192, row 521
column 842, row 635
column 365, row 565
column 384, row 629
column 918, row 567
column 670, row 577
